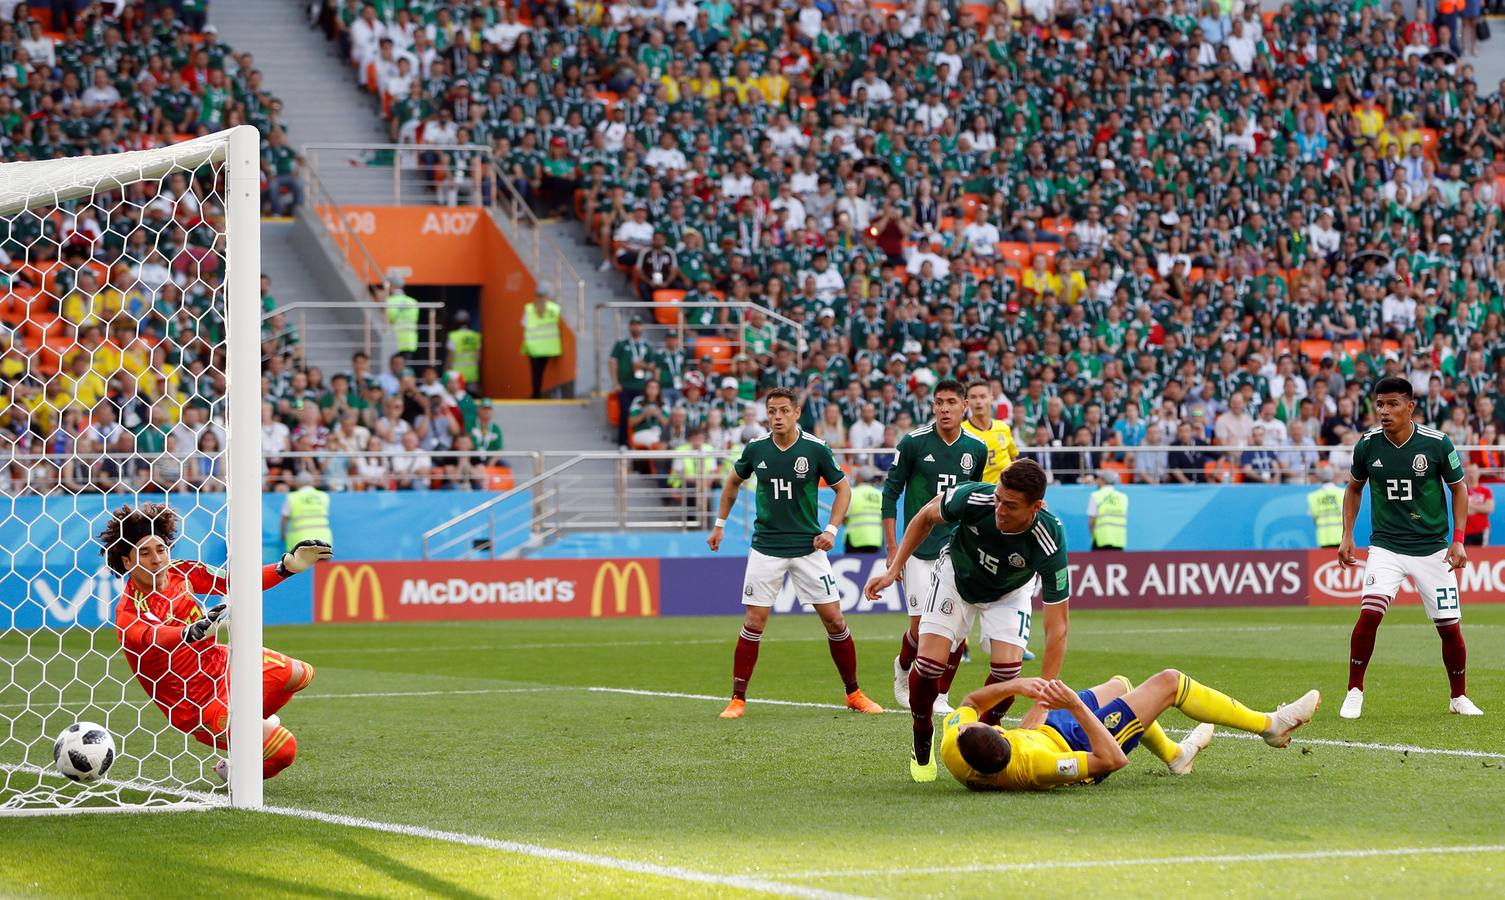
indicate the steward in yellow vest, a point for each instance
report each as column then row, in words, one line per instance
column 1108, row 515
column 305, row 515
column 865, row 518
column 542, row 341
column 1325, row 505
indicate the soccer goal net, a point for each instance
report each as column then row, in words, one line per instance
column 130, row 360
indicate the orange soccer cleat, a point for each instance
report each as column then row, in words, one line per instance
column 859, row 701
column 735, row 709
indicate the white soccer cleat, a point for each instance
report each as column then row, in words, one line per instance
column 901, row 685
column 222, row 771
column 1353, row 704
column 1290, row 717
column 1462, row 706
column 1195, row 743
column 943, row 705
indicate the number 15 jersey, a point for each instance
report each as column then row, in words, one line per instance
column 989, row 563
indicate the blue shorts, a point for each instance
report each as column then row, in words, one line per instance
column 1116, row 716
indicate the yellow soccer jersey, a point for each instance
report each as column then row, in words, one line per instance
column 1040, row 759
column 1002, row 450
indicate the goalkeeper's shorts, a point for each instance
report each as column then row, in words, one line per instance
column 209, row 722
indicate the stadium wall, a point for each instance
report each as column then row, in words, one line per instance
column 462, row 246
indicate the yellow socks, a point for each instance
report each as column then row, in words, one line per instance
column 1204, row 704
column 1155, row 740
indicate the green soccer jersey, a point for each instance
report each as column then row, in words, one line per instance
column 1408, row 508
column 788, row 484
column 989, row 564
column 926, row 466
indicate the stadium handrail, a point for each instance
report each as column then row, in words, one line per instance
column 605, row 502
column 653, row 326
column 353, row 251
column 507, row 207
column 429, row 331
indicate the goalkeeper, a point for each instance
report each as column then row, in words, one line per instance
column 169, row 640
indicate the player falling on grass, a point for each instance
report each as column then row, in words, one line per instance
column 788, row 540
column 930, row 459
column 1072, row 737
column 1005, row 543
column 1406, row 465
column 169, row 639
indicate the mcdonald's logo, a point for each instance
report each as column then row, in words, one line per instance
column 352, row 579
column 621, row 578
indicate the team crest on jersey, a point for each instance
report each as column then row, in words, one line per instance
column 1419, row 464
column 1112, row 719
column 1016, row 560
column 967, row 461
column 801, row 467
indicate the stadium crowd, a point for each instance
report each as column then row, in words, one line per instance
column 112, row 326
column 1146, row 222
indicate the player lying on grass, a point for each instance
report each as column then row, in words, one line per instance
column 169, row 639
column 1087, row 736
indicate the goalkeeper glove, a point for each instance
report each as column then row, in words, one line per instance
column 303, row 556
column 208, row 625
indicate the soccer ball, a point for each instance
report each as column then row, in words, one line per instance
column 84, row 751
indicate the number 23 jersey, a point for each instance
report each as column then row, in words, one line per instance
column 1408, row 507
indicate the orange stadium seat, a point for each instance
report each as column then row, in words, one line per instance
column 718, row 348
column 499, row 478
column 1017, row 253
column 668, row 313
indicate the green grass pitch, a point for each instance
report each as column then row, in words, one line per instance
column 490, row 733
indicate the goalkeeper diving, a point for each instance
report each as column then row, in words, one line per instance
column 169, row 638
column 1075, row 737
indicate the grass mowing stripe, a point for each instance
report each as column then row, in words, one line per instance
column 1150, row 861
column 744, row 882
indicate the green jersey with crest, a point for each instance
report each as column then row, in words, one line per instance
column 788, row 485
column 1408, row 506
column 989, row 563
column 925, row 467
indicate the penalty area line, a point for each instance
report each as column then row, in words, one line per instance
column 1224, row 858
column 675, row 695
column 554, row 854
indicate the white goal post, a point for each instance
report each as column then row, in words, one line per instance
column 131, row 327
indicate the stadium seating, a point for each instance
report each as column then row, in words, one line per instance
column 1194, row 182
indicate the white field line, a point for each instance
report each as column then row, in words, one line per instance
column 1238, row 735
column 553, row 854
column 1228, row 858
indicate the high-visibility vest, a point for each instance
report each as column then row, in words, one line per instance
column 1449, row 7
column 308, row 517
column 402, row 312
column 541, row 330
column 865, row 517
column 1326, row 506
column 465, row 353
column 1111, row 528
column 688, row 468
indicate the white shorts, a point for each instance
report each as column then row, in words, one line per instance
column 1006, row 619
column 811, row 574
column 1434, row 581
column 917, row 573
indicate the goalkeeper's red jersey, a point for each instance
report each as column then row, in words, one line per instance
column 150, row 626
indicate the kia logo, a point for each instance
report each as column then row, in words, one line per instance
column 1336, row 580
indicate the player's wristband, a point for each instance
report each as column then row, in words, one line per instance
column 832, row 529
column 720, row 523
column 1457, row 535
